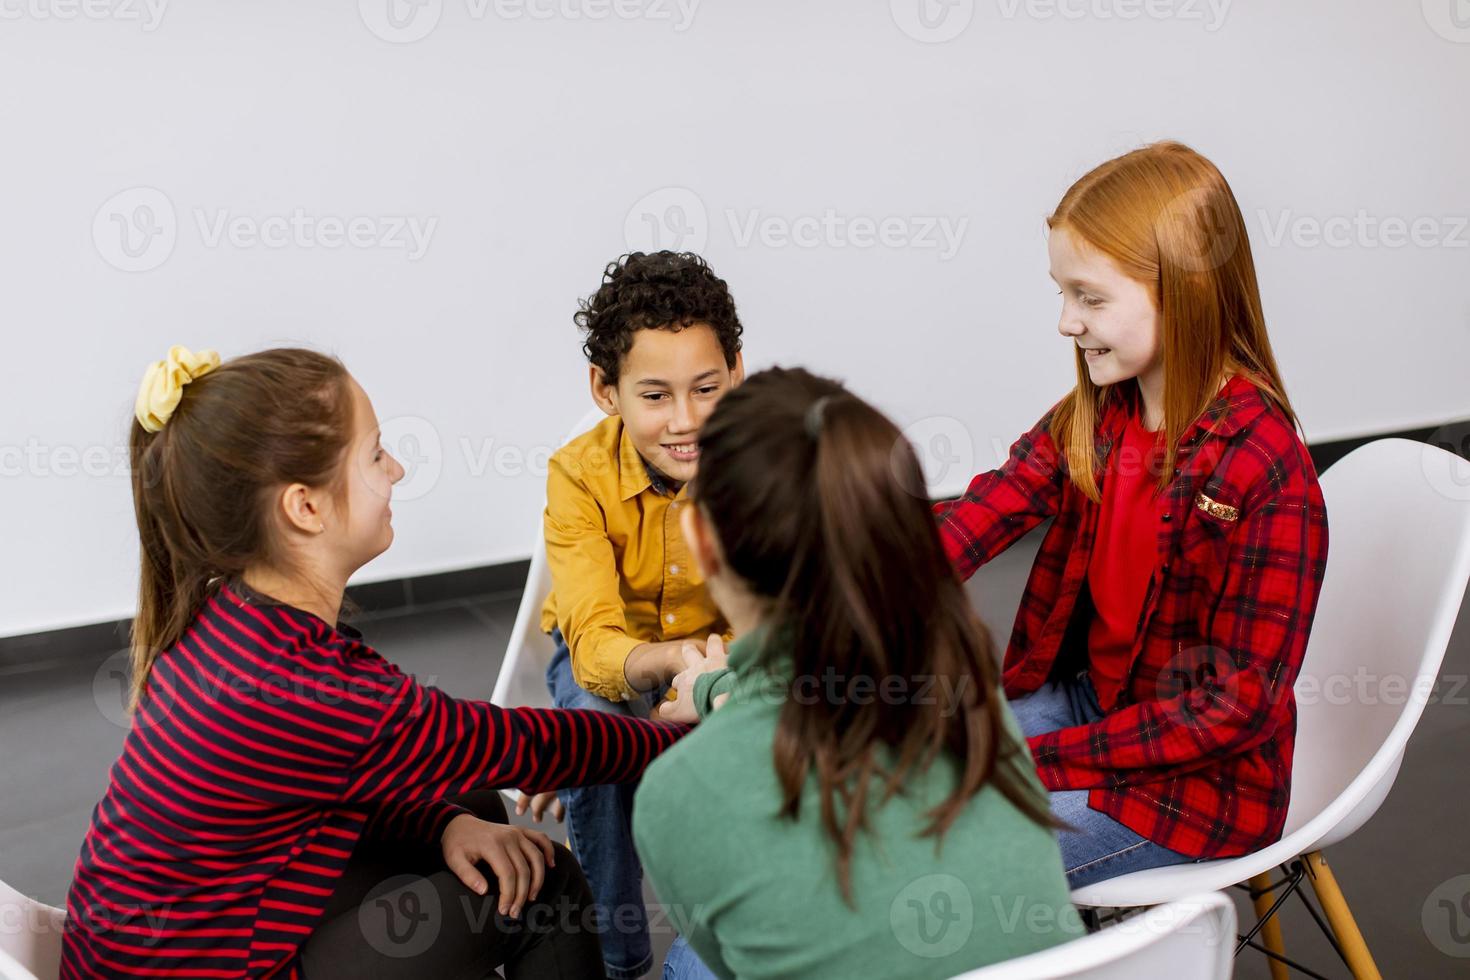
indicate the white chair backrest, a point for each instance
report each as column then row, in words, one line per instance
column 1191, row 939
column 1398, row 560
column 30, row 937
column 522, row 678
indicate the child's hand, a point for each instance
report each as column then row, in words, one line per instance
column 679, row 654
column 517, row 856
column 681, row 709
column 537, row 805
column 714, row 654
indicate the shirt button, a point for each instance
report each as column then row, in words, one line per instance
column 1166, row 568
column 1168, row 517
column 669, row 618
column 673, row 569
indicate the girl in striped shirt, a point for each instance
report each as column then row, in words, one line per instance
column 287, row 802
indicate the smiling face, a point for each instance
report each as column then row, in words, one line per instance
column 669, row 383
column 364, row 528
column 1109, row 315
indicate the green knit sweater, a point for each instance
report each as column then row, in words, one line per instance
column 756, row 894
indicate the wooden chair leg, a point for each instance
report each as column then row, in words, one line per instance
column 1354, row 949
column 1271, row 931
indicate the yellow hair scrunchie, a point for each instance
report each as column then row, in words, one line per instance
column 163, row 384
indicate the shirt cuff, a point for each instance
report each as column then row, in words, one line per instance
column 601, row 668
column 709, row 686
column 443, row 814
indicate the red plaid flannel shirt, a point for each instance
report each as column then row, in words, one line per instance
column 1196, row 754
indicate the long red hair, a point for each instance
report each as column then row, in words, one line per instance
column 1169, row 220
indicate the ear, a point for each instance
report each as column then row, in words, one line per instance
column 604, row 395
column 302, row 510
column 737, row 373
column 699, row 534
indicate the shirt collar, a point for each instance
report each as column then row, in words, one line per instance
column 632, row 473
column 246, row 595
column 636, row 474
column 1236, row 405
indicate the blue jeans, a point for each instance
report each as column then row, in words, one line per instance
column 684, row 964
column 599, row 826
column 1099, row 847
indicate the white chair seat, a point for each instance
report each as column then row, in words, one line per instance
column 1398, row 563
column 30, row 937
column 522, row 678
column 1191, row 939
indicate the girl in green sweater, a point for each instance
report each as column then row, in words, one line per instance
column 862, row 804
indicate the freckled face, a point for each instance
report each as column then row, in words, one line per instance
column 1111, row 317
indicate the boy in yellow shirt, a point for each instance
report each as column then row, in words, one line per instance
column 663, row 342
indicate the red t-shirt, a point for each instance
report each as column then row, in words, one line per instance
column 1123, row 556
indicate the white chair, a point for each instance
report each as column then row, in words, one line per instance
column 30, row 937
column 1191, row 939
column 522, row 678
column 1398, row 563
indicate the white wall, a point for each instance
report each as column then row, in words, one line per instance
column 533, row 144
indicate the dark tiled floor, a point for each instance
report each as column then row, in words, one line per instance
column 60, row 729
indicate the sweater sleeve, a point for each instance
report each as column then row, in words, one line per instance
column 418, row 820
column 428, row 745
column 709, row 686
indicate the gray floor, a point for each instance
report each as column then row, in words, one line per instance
column 60, row 731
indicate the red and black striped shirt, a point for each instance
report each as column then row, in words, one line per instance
column 269, row 743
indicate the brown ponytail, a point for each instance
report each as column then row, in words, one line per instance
column 202, row 484
column 819, row 505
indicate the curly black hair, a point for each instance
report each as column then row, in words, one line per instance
column 659, row 290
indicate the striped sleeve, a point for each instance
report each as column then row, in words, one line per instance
column 399, row 741
column 412, row 821
column 429, row 745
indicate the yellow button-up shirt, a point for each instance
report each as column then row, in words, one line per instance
column 621, row 572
